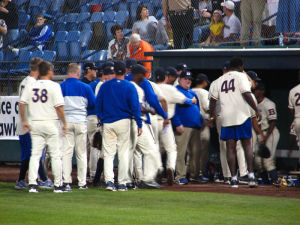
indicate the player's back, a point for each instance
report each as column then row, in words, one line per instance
column 202, row 95
column 42, row 97
column 294, row 100
column 25, row 82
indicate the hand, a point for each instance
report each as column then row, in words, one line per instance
column 258, row 115
column 140, row 131
column 180, row 129
column 64, row 129
column 26, row 126
column 262, row 139
column 166, row 122
column 211, row 123
column 194, row 100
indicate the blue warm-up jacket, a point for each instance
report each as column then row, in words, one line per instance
column 93, row 84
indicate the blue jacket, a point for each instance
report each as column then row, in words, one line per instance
column 187, row 115
column 93, row 84
column 78, row 97
column 117, row 100
column 128, row 76
column 40, row 34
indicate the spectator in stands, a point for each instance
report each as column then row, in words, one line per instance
column 8, row 12
column 232, row 27
column 38, row 35
column 251, row 12
column 118, row 48
column 137, row 48
column 216, row 29
column 3, row 31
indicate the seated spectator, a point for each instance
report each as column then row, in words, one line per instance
column 216, row 29
column 3, row 31
column 137, row 48
column 118, row 48
column 9, row 13
column 232, row 28
column 38, row 36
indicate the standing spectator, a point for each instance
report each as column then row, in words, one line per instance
column 251, row 11
column 179, row 15
column 8, row 12
column 137, row 50
column 118, row 48
column 90, row 73
column 78, row 97
column 232, row 27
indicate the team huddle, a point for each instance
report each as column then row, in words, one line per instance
column 139, row 120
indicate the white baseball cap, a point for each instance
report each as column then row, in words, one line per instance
column 228, row 4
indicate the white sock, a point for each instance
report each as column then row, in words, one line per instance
column 234, row 177
column 251, row 175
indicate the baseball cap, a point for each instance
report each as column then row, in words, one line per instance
column 130, row 63
column 218, row 12
column 228, row 4
column 202, row 77
column 91, row 66
column 260, row 86
column 181, row 66
column 171, row 71
column 138, row 69
column 253, row 75
column 186, row 74
column 108, row 70
column 120, row 67
column 160, row 73
column 108, row 63
column 226, row 65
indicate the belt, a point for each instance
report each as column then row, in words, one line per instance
column 180, row 13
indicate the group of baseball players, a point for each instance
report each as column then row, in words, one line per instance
column 140, row 121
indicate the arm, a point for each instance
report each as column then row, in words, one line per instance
column 257, row 129
column 61, row 115
column 3, row 30
column 248, row 98
column 91, row 97
column 134, row 105
column 3, row 9
column 98, row 105
column 109, row 56
column 23, row 117
column 163, row 103
column 212, row 111
column 165, row 12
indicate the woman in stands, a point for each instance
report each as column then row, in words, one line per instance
column 216, row 30
column 118, row 48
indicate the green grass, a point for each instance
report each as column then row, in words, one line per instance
column 94, row 206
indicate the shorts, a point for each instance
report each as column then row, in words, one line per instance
column 243, row 131
column 25, row 142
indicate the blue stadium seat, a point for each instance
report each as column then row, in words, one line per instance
column 159, row 14
column 97, row 17
column 34, row 11
column 49, row 55
column 100, row 56
column 71, row 20
column 37, row 53
column 86, row 53
column 121, row 17
column 85, row 39
column 23, row 19
column 34, row 3
column 61, row 26
column 108, row 26
column 55, row 7
column 83, row 17
column 21, row 4
column 122, row 6
column 132, row 1
column 196, row 35
column 85, row 8
column 24, row 57
column 73, row 36
column 127, row 32
column 74, row 50
column 60, row 36
column 133, row 7
column 157, row 4
column 85, row 26
column 62, row 51
column 109, row 16
column 45, row 5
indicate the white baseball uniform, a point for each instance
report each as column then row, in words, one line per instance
column 294, row 103
column 41, row 98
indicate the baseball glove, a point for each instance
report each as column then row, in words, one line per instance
column 264, row 151
column 97, row 140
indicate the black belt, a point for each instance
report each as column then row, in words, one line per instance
column 180, row 13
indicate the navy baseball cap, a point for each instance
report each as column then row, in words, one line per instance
column 226, row 65
column 171, row 71
column 160, row 74
column 260, row 86
column 130, row 63
column 138, row 69
column 186, row 74
column 253, row 75
column 201, row 77
column 91, row 66
column 181, row 66
column 120, row 67
column 108, row 70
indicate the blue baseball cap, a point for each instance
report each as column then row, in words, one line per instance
column 186, row 74
column 138, row 69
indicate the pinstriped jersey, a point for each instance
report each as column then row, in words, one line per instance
column 267, row 108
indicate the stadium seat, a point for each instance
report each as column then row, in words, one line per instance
column 34, row 11
column 61, row 26
column 23, row 19
column 197, row 34
column 87, row 53
column 83, row 17
column 24, row 58
column 62, row 51
column 85, row 8
column 34, row 3
column 133, row 7
column 45, row 5
column 97, row 17
column 74, row 50
column 122, row 6
column 49, row 55
column 71, row 20
column 85, row 39
column 60, row 36
column 108, row 26
column 159, row 14
column 37, row 53
column 85, row 26
column 100, row 56
column 157, row 4
column 73, row 36
column 55, row 7
column 21, row 4
column 121, row 17
column 109, row 16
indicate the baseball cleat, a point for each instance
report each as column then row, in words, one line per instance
column 110, row 186
column 21, row 185
column 244, row 179
column 122, row 187
column 67, row 187
column 170, row 176
column 45, row 184
column 203, row 179
column 159, row 176
column 59, row 189
column 130, row 186
column 226, row 180
column 182, row 181
column 252, row 183
column 84, row 187
column 33, row 189
column 234, row 183
column 151, row 184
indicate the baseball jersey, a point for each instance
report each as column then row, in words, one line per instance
column 202, row 95
column 25, row 82
column 294, row 100
column 42, row 97
column 211, row 89
column 228, row 89
column 157, row 91
column 98, row 87
column 267, row 108
column 141, row 96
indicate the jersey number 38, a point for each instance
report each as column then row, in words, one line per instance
column 39, row 95
column 227, row 86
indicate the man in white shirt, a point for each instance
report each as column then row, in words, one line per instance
column 233, row 90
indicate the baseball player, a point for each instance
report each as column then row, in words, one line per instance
column 24, row 137
column 179, row 68
column 165, row 135
column 129, row 63
column 271, row 135
column 90, row 73
column 116, row 103
column 172, row 75
column 294, row 106
column 234, row 93
column 78, row 97
column 44, row 101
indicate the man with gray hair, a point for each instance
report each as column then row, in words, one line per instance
column 78, row 97
column 137, row 48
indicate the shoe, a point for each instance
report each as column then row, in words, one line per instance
column 219, row 180
column 130, row 186
column 33, row 189
column 84, row 187
column 60, row 189
column 182, row 181
column 21, row 185
column 226, row 180
column 194, row 180
column 151, row 184
column 170, row 176
column 244, row 179
column 260, row 181
column 159, row 176
column 234, row 183
column 110, row 186
column 277, row 183
column 45, row 184
column 203, row 179
column 122, row 187
column 67, row 187
column 252, row 183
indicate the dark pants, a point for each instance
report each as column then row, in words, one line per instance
column 183, row 28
